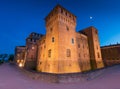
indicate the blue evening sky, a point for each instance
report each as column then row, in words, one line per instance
column 18, row 18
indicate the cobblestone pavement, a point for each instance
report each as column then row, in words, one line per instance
column 12, row 78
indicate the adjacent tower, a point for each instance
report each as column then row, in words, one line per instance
column 94, row 47
column 31, row 50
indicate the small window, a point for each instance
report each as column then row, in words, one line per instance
column 67, row 28
column 72, row 41
column 66, row 13
column 53, row 39
column 49, row 53
column 78, row 45
column 68, row 53
column 51, row 29
column 61, row 10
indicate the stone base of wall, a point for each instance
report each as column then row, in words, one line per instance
column 30, row 65
column 111, row 62
column 63, row 78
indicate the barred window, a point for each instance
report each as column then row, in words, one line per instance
column 68, row 53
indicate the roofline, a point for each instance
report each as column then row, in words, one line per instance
column 113, row 45
column 61, row 7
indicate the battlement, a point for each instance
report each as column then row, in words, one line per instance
column 59, row 12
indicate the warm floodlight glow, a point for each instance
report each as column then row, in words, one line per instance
column 20, row 65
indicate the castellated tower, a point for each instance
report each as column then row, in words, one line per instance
column 94, row 47
column 31, row 50
column 60, row 43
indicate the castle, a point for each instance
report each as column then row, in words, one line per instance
column 62, row 49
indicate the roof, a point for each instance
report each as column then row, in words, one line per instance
column 111, row 45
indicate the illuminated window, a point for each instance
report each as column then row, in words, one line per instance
column 33, row 47
column 49, row 53
column 53, row 39
column 72, row 41
column 68, row 53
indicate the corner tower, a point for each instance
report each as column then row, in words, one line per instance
column 61, row 56
column 94, row 48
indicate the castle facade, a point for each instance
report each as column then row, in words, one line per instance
column 62, row 49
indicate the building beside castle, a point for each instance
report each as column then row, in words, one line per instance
column 62, row 49
column 111, row 54
column 20, row 55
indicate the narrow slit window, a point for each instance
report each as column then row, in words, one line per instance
column 72, row 41
column 53, row 39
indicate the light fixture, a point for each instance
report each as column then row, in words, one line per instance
column 20, row 65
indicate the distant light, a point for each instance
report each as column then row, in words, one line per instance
column 33, row 47
column 20, row 65
column 91, row 17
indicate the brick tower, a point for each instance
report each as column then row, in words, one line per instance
column 31, row 50
column 94, row 48
column 60, row 52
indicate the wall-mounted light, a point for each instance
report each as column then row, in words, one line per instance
column 20, row 65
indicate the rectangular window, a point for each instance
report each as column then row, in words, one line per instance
column 67, row 28
column 53, row 39
column 72, row 41
column 78, row 45
column 68, row 53
column 51, row 29
column 49, row 53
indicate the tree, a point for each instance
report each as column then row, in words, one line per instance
column 11, row 57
